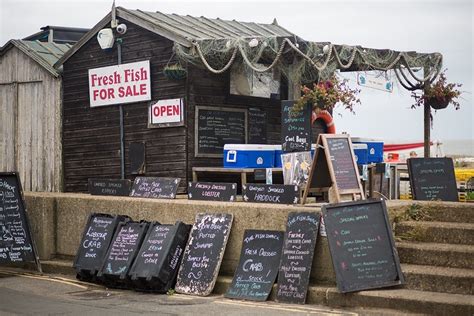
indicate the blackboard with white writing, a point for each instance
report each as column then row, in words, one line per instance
column 98, row 233
column 432, row 179
column 203, row 255
column 158, row 259
column 295, row 128
column 361, row 244
column 16, row 243
column 271, row 193
column 116, row 187
column 257, row 126
column 298, row 251
column 212, row 191
column 342, row 159
column 216, row 127
column 258, row 265
column 125, row 244
column 155, row 187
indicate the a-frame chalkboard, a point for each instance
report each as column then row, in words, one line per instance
column 16, row 243
column 334, row 169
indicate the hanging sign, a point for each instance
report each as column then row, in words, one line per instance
column 166, row 113
column 118, row 84
column 378, row 82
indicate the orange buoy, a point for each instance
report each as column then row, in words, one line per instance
column 327, row 118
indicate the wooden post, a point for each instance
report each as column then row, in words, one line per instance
column 427, row 121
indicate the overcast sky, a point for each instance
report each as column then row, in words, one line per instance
column 422, row 26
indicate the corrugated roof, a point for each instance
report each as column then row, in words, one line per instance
column 44, row 53
column 184, row 29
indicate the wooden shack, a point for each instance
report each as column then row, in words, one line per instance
column 30, row 124
column 91, row 141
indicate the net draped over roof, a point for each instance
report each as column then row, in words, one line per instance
column 217, row 45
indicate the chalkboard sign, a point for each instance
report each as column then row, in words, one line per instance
column 203, row 255
column 361, row 245
column 156, row 265
column 215, row 127
column 432, row 179
column 152, row 187
column 334, row 168
column 16, row 243
column 115, row 187
column 342, row 159
column 271, row 193
column 211, row 191
column 298, row 250
column 257, row 126
column 122, row 251
column 258, row 265
column 295, row 128
column 98, row 233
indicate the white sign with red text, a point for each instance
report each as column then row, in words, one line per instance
column 166, row 112
column 124, row 83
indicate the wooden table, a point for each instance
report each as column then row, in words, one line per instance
column 238, row 171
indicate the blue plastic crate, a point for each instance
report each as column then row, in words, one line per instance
column 374, row 147
column 249, row 156
column 361, row 153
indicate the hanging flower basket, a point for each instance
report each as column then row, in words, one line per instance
column 174, row 72
column 438, row 104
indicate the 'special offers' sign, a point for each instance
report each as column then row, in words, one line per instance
column 117, row 84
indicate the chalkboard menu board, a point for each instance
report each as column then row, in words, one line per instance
column 203, row 255
column 215, row 127
column 98, row 233
column 156, row 265
column 211, row 191
column 341, row 155
column 361, row 245
column 122, row 251
column 271, row 193
column 257, row 126
column 295, row 128
column 298, row 250
column 432, row 179
column 258, row 265
column 115, row 187
column 153, row 187
column 16, row 243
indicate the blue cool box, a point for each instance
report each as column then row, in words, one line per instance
column 361, row 153
column 249, row 156
column 374, row 147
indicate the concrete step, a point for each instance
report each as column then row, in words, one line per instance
column 438, row 232
column 434, row 211
column 436, row 254
column 395, row 299
column 56, row 266
column 438, row 279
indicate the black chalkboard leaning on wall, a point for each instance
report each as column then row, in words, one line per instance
column 154, row 187
column 96, row 238
column 298, row 251
column 122, row 251
column 203, row 255
column 271, row 193
column 217, row 126
column 157, row 262
column 257, row 126
column 115, row 187
column 432, row 179
column 258, row 265
column 361, row 244
column 16, row 243
column 212, row 191
column 295, row 128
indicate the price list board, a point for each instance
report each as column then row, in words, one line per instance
column 361, row 245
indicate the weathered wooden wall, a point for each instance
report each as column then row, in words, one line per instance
column 91, row 135
column 30, row 124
